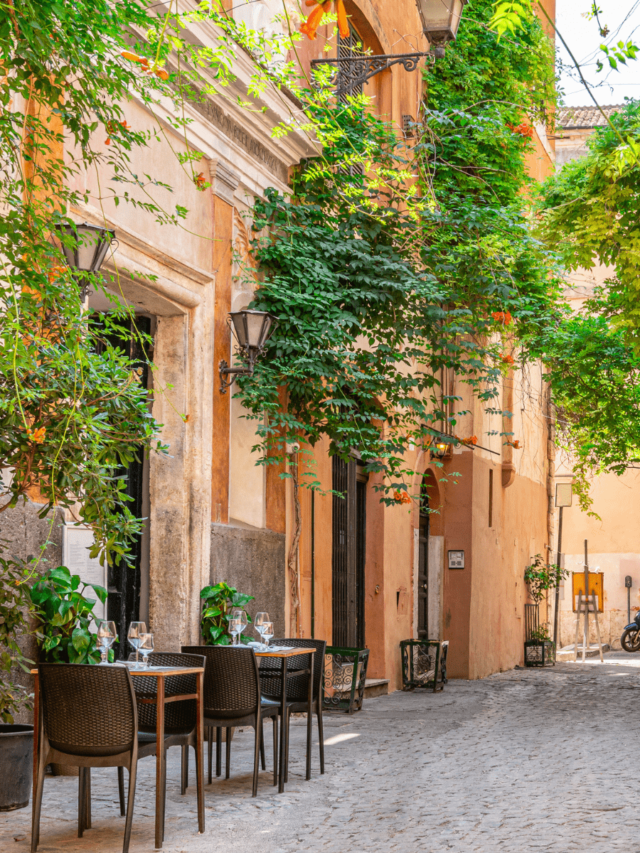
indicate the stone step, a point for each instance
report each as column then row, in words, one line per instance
column 592, row 651
column 376, row 687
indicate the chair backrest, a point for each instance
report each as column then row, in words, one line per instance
column 88, row 710
column 231, row 681
column 298, row 686
column 178, row 716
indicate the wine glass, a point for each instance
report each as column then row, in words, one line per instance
column 267, row 632
column 235, row 626
column 240, row 617
column 135, row 631
column 259, row 621
column 106, row 638
column 146, row 647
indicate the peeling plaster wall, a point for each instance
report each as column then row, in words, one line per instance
column 253, row 561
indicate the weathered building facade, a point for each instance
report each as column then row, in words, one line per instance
column 371, row 575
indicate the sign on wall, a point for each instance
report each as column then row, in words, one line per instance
column 76, row 541
column 456, row 559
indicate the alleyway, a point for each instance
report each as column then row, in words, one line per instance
column 522, row 761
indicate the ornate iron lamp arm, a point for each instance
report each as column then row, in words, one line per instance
column 353, row 71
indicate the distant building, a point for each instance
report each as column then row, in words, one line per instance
column 613, row 539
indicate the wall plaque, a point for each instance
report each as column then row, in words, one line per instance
column 456, row 559
column 76, row 541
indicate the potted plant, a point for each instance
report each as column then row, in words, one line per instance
column 64, row 615
column 218, row 602
column 16, row 740
column 539, row 648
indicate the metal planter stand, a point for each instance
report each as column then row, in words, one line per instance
column 539, row 653
column 424, row 664
column 345, row 672
column 536, row 652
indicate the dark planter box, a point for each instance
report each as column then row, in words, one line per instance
column 345, row 673
column 16, row 761
column 539, row 653
column 424, row 664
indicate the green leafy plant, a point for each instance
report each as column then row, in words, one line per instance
column 14, row 606
column 65, row 615
column 541, row 634
column 219, row 600
column 540, row 576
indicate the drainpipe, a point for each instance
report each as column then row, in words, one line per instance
column 508, row 467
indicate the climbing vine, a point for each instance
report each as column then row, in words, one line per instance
column 421, row 270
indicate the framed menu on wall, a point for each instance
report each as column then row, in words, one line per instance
column 76, row 541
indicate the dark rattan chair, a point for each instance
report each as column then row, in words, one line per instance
column 297, row 689
column 179, row 717
column 88, row 718
column 232, row 698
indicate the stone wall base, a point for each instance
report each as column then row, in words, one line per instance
column 253, row 561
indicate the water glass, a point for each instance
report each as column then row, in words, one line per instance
column 136, row 629
column 146, row 647
column 235, row 628
column 106, row 638
column 267, row 632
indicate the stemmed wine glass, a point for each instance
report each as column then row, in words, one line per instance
column 146, row 647
column 106, row 638
column 267, row 632
column 259, row 621
column 136, row 629
column 239, row 618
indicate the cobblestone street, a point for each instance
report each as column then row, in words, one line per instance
column 523, row 760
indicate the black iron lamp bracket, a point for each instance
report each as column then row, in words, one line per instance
column 353, row 71
column 233, row 372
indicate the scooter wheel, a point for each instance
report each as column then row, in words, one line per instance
column 630, row 640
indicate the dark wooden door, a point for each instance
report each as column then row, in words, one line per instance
column 348, row 554
column 423, row 569
column 123, row 580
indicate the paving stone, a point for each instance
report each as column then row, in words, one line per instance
column 525, row 760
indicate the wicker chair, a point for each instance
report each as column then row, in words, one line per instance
column 232, row 698
column 88, row 718
column 297, row 689
column 179, row 717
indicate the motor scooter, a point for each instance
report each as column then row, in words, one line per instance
column 630, row 639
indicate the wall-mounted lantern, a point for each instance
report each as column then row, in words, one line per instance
column 252, row 330
column 440, row 21
column 85, row 247
column 440, row 449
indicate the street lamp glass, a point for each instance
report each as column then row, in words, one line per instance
column 252, row 328
column 564, row 494
column 440, row 19
column 84, row 246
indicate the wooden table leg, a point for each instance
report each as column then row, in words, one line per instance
column 284, row 728
column 199, row 749
column 309, row 716
column 160, row 758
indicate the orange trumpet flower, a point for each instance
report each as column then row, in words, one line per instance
column 310, row 26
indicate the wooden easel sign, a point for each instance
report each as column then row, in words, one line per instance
column 586, row 604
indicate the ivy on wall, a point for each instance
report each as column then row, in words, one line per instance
column 396, row 258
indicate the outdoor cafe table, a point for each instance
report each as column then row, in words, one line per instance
column 160, row 673
column 284, row 655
